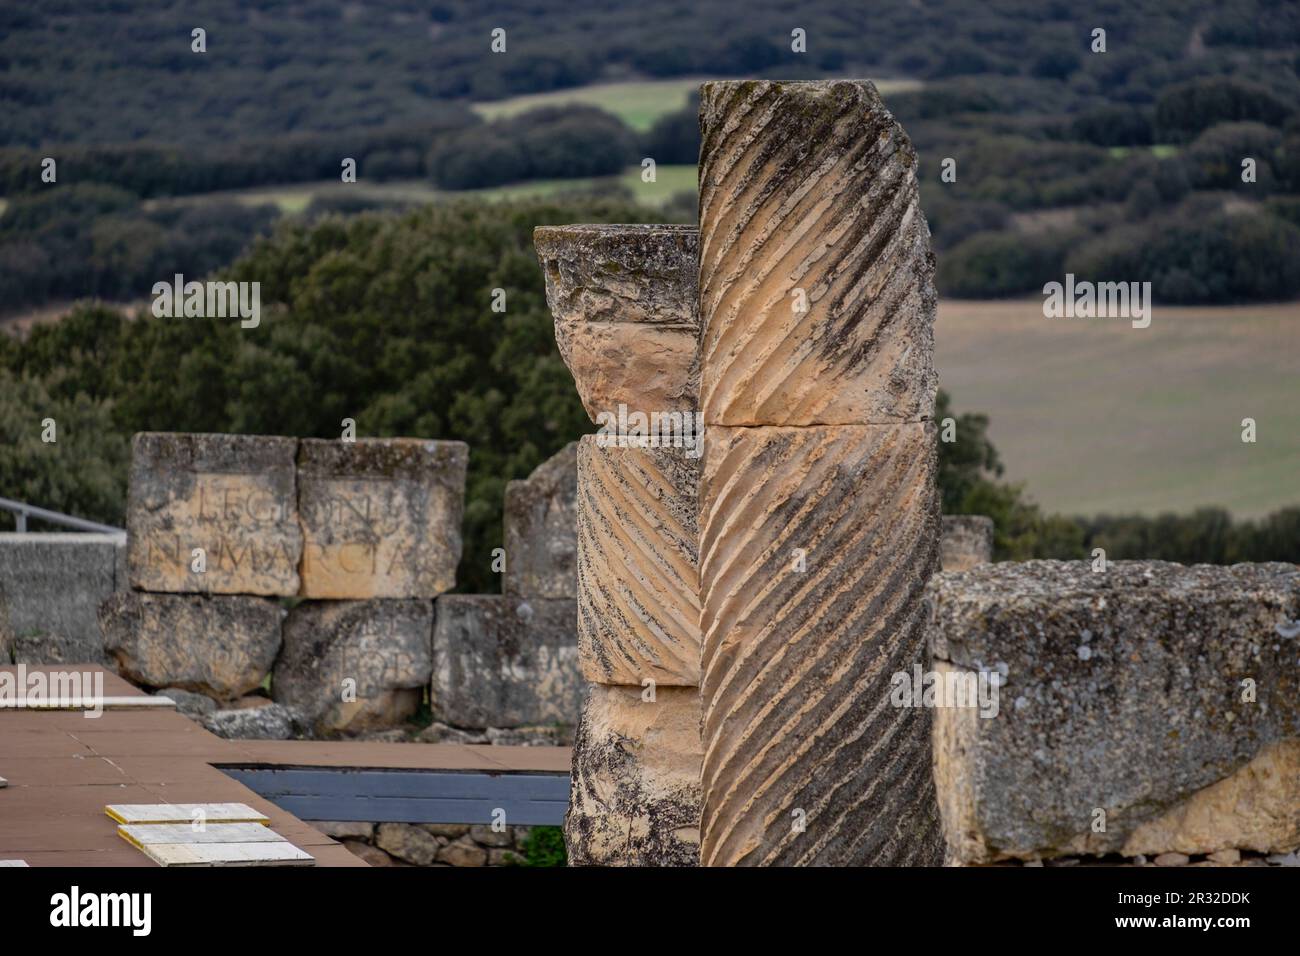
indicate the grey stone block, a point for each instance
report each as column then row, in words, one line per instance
column 540, row 527
column 219, row 646
column 505, row 662
column 1166, row 697
column 51, row 586
column 271, row 722
column 355, row 665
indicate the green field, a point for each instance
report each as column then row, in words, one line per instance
column 295, row 197
column 1096, row 416
column 637, row 102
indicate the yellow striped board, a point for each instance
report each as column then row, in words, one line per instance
column 282, row 853
column 186, row 813
column 143, row 834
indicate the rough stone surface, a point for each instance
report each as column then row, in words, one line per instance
column 811, row 187
column 51, row 586
column 815, row 548
column 966, row 541
column 268, row 722
column 539, row 523
column 1255, row 808
column 234, row 496
column 355, row 665
column 407, row 842
column 371, row 854
column 638, row 568
column 624, row 302
column 188, row 702
column 219, row 646
column 1122, row 691
column 345, row 829
column 635, row 798
column 501, row 661
column 381, row 517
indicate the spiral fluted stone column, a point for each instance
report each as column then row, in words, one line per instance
column 819, row 519
column 626, row 321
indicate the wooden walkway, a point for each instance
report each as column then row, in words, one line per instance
column 62, row 769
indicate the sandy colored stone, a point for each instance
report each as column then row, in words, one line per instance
column 624, row 302
column 407, row 842
column 219, row 646
column 1257, row 807
column 815, row 548
column 638, row 569
column 966, row 541
column 233, row 496
column 355, row 665
column 811, row 187
column 1121, row 691
column 381, row 517
column 539, row 525
column 635, row 798
column 501, row 661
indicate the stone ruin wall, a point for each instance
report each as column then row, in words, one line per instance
column 725, row 625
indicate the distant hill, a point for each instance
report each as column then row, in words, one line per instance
column 73, row 72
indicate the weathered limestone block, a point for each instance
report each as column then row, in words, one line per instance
column 219, row 646
column 501, row 661
column 638, row 567
column 966, row 541
column 817, row 296
column 51, row 586
column 815, row 548
column 270, row 722
column 233, row 496
column 539, row 523
column 1166, row 697
column 635, row 797
column 381, row 517
column 355, row 665
column 624, row 301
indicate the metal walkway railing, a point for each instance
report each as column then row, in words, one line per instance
column 23, row 511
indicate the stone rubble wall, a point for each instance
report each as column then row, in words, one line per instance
column 316, row 567
column 430, row 844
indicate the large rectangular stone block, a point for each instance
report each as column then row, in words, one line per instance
column 817, row 294
column 539, row 527
column 220, row 646
column 381, row 517
column 355, row 665
column 815, row 548
column 51, row 586
column 638, row 566
column 1142, row 709
column 501, row 661
column 232, row 496
column 635, row 794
